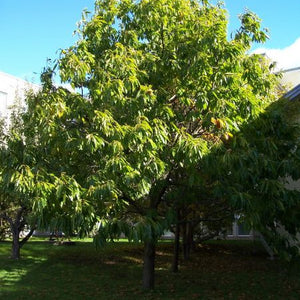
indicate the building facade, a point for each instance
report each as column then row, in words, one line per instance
column 12, row 90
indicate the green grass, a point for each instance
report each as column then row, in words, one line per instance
column 217, row 270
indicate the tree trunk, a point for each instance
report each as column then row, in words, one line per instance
column 27, row 237
column 149, row 259
column 15, row 250
column 16, row 226
column 185, row 241
column 176, row 246
column 188, row 240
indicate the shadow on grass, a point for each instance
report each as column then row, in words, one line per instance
column 217, row 270
column 70, row 272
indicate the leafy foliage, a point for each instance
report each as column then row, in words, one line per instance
column 260, row 164
column 163, row 87
column 18, row 174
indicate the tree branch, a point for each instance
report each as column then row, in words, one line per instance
column 163, row 190
column 27, row 237
column 133, row 203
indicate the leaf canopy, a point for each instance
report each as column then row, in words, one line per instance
column 157, row 86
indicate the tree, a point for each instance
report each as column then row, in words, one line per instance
column 260, row 163
column 18, row 180
column 163, row 86
column 35, row 192
column 4, row 230
column 201, row 214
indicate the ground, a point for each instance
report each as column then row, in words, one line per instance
column 217, row 270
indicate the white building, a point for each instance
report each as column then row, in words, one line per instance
column 291, row 77
column 12, row 89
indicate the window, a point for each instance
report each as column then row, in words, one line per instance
column 243, row 230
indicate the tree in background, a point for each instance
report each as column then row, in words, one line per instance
column 4, row 229
column 20, row 181
column 35, row 192
column 258, row 172
column 163, row 87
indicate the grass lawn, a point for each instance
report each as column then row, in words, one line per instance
column 217, row 270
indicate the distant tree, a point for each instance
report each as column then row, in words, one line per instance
column 200, row 213
column 163, row 86
column 17, row 181
column 4, row 229
column 35, row 192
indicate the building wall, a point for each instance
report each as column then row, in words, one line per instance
column 12, row 89
column 291, row 77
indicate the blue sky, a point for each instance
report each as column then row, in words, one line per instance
column 279, row 16
column 33, row 30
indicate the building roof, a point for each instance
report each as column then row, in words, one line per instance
column 16, row 80
column 294, row 93
column 290, row 77
column 290, row 81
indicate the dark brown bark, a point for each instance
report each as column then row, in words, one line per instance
column 16, row 226
column 190, row 236
column 27, row 237
column 149, row 261
column 15, row 230
column 188, row 240
column 176, row 248
column 184, row 240
column 15, row 250
column 16, row 243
